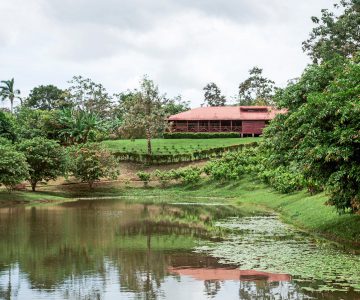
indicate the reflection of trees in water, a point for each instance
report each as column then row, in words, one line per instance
column 78, row 250
column 259, row 290
column 212, row 287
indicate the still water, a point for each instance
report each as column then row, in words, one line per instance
column 107, row 249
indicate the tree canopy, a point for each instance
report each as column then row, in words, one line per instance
column 335, row 34
column 47, row 97
column 213, row 96
column 257, row 89
column 145, row 112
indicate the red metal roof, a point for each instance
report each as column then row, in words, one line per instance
column 228, row 113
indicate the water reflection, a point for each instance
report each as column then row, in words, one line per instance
column 111, row 249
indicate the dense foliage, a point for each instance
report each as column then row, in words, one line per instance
column 335, row 34
column 46, row 159
column 7, row 127
column 319, row 137
column 13, row 166
column 47, row 97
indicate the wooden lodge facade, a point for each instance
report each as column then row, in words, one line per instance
column 246, row 120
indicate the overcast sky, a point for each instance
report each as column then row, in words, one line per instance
column 181, row 44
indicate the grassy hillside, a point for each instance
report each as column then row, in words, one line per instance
column 172, row 146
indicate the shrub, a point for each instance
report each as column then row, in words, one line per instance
column 284, row 179
column 200, row 135
column 232, row 165
column 144, row 177
column 13, row 167
column 163, row 177
column 45, row 157
column 90, row 162
column 190, row 175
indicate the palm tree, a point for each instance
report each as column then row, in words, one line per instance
column 7, row 91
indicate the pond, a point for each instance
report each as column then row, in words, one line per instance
column 112, row 249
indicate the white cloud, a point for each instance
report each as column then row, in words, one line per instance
column 181, row 44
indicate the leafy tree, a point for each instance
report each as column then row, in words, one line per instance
column 176, row 105
column 47, row 97
column 13, row 167
column 89, row 96
column 212, row 95
column 77, row 126
column 7, row 129
column 45, row 157
column 8, row 91
column 335, row 34
column 320, row 133
column 90, row 162
column 30, row 123
column 257, row 89
column 145, row 113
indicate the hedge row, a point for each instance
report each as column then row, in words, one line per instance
column 174, row 158
column 200, row 135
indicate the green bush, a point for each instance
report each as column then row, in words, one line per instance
column 13, row 167
column 200, row 135
column 163, row 177
column 90, row 162
column 144, row 177
column 190, row 175
column 232, row 165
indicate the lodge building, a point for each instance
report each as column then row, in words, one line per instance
column 246, row 120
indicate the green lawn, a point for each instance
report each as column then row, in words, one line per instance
column 181, row 146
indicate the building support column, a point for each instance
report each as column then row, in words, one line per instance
column 231, row 126
column 198, row 126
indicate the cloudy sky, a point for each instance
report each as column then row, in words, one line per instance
column 181, row 44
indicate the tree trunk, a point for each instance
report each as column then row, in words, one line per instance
column 11, row 104
column 33, row 185
column 91, row 184
column 148, row 139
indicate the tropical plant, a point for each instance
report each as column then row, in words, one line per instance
column 13, row 166
column 78, row 126
column 46, row 159
column 8, row 91
column 90, row 162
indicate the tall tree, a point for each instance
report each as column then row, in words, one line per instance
column 47, row 97
column 257, row 89
column 335, row 34
column 89, row 96
column 145, row 112
column 212, row 95
column 8, row 91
